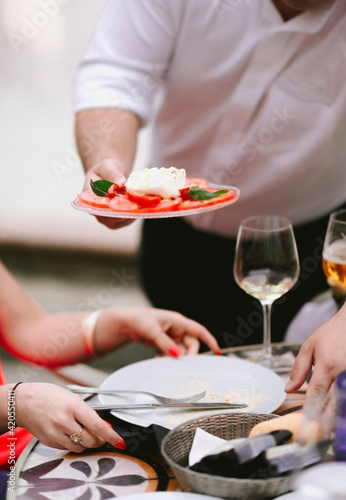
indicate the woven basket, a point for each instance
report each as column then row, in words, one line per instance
column 177, row 443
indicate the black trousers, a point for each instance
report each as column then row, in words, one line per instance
column 192, row 272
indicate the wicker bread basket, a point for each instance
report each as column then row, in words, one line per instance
column 177, row 443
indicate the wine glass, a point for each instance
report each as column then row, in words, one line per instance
column 334, row 253
column 266, row 266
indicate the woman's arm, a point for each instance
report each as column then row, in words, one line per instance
column 31, row 334
column 28, row 332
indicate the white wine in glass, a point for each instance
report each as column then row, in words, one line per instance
column 266, row 266
column 334, row 249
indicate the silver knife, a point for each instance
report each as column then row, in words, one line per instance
column 156, row 406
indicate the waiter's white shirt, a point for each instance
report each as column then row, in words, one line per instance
column 236, row 95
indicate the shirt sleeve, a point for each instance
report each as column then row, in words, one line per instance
column 128, row 56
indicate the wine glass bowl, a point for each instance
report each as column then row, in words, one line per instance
column 266, row 266
column 334, row 249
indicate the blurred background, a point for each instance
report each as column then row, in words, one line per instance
column 62, row 257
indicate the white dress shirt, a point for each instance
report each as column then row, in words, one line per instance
column 236, row 95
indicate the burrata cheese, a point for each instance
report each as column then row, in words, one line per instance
column 164, row 182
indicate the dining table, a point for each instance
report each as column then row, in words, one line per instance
column 97, row 474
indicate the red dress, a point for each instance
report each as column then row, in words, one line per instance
column 12, row 443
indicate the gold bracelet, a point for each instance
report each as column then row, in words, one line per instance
column 88, row 331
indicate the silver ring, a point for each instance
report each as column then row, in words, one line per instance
column 76, row 437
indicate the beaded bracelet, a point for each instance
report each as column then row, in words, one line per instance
column 88, row 332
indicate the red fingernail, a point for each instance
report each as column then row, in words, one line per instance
column 219, row 352
column 121, row 445
column 110, row 425
column 174, row 351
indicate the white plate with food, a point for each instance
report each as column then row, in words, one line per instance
column 183, row 209
column 154, row 193
column 170, row 495
column 121, row 207
column 225, row 379
column 322, row 481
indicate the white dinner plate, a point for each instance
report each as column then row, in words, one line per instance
column 171, row 495
column 293, row 495
column 224, row 378
column 328, row 478
column 106, row 212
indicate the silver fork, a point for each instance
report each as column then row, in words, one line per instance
column 79, row 389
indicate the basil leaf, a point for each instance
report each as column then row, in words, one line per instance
column 203, row 194
column 100, row 187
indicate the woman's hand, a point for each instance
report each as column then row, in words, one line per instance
column 53, row 414
column 169, row 331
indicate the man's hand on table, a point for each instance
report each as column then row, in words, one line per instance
column 325, row 352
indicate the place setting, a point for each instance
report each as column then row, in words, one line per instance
column 176, row 433
column 205, row 379
column 240, row 430
column 228, row 384
column 197, row 426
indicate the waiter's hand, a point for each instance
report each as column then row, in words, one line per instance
column 111, row 170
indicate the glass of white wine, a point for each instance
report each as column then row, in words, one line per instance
column 266, row 266
column 334, row 249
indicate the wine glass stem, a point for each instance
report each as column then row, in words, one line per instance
column 267, row 346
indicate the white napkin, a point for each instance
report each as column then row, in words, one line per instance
column 311, row 316
column 205, row 444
